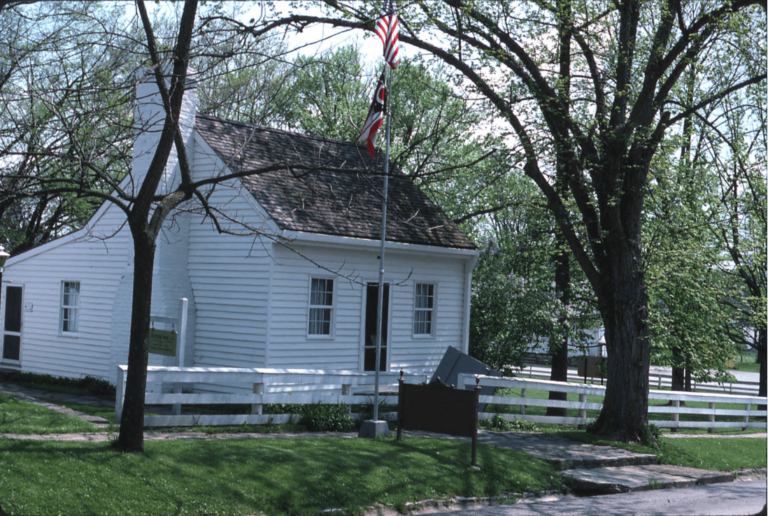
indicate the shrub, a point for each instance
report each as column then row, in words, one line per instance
column 500, row 424
column 326, row 418
column 652, row 436
column 367, row 410
column 86, row 385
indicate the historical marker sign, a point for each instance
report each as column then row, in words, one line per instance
column 162, row 342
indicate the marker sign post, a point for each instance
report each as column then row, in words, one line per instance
column 171, row 343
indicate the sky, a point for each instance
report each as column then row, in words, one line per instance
column 315, row 39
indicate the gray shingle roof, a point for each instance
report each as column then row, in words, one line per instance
column 332, row 191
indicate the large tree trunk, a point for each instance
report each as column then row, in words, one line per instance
column 624, row 308
column 678, row 370
column 559, row 348
column 678, row 378
column 132, row 421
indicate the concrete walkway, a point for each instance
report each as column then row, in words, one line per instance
column 593, row 469
column 40, row 397
column 596, row 470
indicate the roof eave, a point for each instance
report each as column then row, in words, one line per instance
column 369, row 244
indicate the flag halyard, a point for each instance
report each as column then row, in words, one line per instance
column 375, row 115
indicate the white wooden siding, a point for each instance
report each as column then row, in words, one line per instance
column 229, row 275
column 289, row 345
column 97, row 260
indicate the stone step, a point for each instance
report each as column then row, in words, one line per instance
column 565, row 453
column 623, row 479
column 612, row 460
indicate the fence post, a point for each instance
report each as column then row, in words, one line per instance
column 257, row 408
column 746, row 418
column 522, row 404
column 346, row 390
column 676, row 415
column 711, row 429
column 659, row 381
column 176, row 388
column 583, row 411
column 119, row 393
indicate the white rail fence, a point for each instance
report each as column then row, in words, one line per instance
column 256, row 387
column 658, row 380
column 711, row 412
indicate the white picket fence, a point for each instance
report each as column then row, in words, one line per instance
column 658, row 380
column 750, row 403
column 256, row 387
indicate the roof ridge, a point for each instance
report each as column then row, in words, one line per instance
column 279, row 131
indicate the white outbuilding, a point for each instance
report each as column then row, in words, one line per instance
column 281, row 271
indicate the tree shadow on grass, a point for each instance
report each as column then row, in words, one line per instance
column 274, row 476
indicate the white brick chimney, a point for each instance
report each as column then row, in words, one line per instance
column 148, row 125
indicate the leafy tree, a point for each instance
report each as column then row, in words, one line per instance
column 681, row 260
column 516, row 300
column 735, row 144
column 57, row 101
column 605, row 129
column 328, row 95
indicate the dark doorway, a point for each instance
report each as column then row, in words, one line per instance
column 371, row 317
column 12, row 328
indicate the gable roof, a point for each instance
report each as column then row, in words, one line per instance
column 332, row 191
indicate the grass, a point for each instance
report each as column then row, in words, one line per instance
column 716, row 454
column 747, row 363
column 22, row 417
column 272, row 476
column 695, row 452
column 107, row 413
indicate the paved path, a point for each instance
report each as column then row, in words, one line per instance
column 565, row 452
column 735, row 498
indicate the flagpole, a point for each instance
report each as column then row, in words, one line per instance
column 381, row 252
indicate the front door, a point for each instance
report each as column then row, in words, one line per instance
column 12, row 327
column 371, row 316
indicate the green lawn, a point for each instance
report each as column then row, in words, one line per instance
column 107, row 413
column 748, row 364
column 251, row 476
column 711, row 453
column 715, row 454
column 22, row 417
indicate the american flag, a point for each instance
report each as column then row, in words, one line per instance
column 387, row 30
column 375, row 115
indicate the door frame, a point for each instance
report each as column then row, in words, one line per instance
column 3, row 304
column 363, row 315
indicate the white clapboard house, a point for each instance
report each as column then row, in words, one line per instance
column 299, row 291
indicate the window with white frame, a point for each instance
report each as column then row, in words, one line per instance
column 320, row 306
column 424, row 309
column 70, row 306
